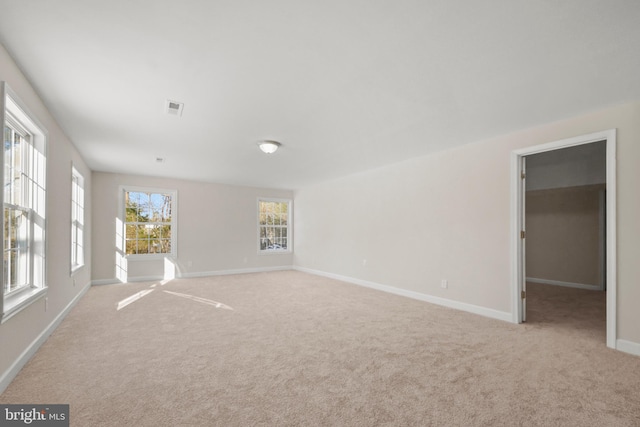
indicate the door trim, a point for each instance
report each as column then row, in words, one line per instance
column 517, row 223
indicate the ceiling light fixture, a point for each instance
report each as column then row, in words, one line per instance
column 269, row 147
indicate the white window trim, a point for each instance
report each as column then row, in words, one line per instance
column 174, row 222
column 289, row 249
column 15, row 302
column 75, row 266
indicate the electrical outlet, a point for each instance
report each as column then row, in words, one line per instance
column 46, row 304
column 189, row 263
column 74, row 282
column 444, row 284
column 364, row 262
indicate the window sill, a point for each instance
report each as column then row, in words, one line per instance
column 76, row 268
column 275, row 252
column 14, row 303
column 149, row 257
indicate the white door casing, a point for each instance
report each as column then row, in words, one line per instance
column 518, row 223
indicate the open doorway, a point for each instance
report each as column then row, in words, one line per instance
column 565, row 222
column 584, row 189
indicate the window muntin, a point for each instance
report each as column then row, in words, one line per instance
column 77, row 220
column 149, row 222
column 274, row 225
column 24, row 207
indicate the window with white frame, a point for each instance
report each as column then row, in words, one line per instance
column 77, row 219
column 149, row 222
column 274, row 225
column 24, row 197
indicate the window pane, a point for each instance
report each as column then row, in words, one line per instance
column 155, row 207
column 165, row 231
column 8, row 151
column 143, row 199
column 154, row 246
column 77, row 219
column 143, row 246
column 148, row 220
column 273, row 225
column 131, row 231
column 132, row 199
column 16, row 257
column 141, row 232
column 24, row 195
column 132, row 247
column 165, row 246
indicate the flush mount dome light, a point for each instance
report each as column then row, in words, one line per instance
column 269, row 147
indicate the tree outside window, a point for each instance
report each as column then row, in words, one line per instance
column 148, row 222
column 274, row 223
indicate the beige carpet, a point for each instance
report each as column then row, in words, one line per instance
column 287, row 348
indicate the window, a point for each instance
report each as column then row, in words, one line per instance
column 24, row 163
column 274, row 217
column 77, row 220
column 149, row 222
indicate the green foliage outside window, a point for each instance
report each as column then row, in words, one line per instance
column 147, row 223
column 274, row 227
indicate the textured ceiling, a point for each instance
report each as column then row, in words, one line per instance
column 345, row 85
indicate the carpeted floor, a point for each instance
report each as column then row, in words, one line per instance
column 288, row 348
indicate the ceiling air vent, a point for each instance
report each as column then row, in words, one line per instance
column 174, row 108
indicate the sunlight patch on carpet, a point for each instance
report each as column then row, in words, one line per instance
column 202, row 300
column 133, row 298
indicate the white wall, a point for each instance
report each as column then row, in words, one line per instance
column 564, row 236
column 446, row 216
column 21, row 334
column 217, row 228
column 568, row 167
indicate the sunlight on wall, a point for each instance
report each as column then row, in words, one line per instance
column 39, row 252
column 119, row 235
column 169, row 269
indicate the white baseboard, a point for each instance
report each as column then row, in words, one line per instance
column 144, row 278
column 628, row 347
column 475, row 309
column 237, row 271
column 566, row 284
column 129, row 280
column 28, row 353
column 104, row 282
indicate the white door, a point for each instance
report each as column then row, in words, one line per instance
column 523, row 235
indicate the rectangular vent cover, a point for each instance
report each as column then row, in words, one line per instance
column 174, row 108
